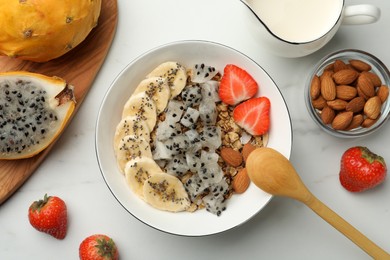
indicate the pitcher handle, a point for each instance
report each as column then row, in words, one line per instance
column 361, row 14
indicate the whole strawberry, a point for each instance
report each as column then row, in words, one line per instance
column 361, row 169
column 49, row 216
column 98, row 247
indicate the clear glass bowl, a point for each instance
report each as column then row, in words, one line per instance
column 377, row 67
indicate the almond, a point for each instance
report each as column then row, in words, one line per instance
column 357, row 120
column 374, row 78
column 247, row 149
column 241, row 181
column 383, row 93
column 368, row 122
column 361, row 94
column 346, row 92
column 319, row 103
column 339, row 65
column 342, row 120
column 365, row 85
column 315, row 87
column 326, row 73
column 372, row 108
column 328, row 88
column 355, row 105
column 327, row 115
column 345, row 77
column 360, row 65
column 337, row 104
column 231, row 156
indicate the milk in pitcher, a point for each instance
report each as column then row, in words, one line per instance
column 298, row 21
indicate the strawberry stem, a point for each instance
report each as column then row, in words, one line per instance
column 38, row 205
column 106, row 248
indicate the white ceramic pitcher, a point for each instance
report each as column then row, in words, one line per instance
column 295, row 28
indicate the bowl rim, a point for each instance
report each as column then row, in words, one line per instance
column 377, row 64
column 127, row 67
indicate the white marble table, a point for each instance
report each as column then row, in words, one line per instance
column 285, row 229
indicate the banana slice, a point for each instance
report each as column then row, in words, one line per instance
column 131, row 125
column 143, row 107
column 166, row 192
column 129, row 147
column 158, row 89
column 174, row 72
column 138, row 170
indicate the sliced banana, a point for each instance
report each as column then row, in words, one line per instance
column 143, row 107
column 166, row 192
column 138, row 170
column 174, row 72
column 131, row 125
column 129, row 147
column 158, row 89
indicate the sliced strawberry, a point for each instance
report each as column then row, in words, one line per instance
column 236, row 85
column 253, row 115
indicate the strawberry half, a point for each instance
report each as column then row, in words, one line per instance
column 236, row 85
column 253, row 115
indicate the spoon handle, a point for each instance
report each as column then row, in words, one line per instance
column 345, row 228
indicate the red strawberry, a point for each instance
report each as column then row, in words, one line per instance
column 253, row 115
column 98, row 247
column 49, row 216
column 236, row 85
column 361, row 169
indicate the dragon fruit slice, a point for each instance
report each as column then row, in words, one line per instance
column 194, row 138
column 194, row 187
column 190, row 117
column 209, row 91
column 208, row 112
column 193, row 162
column 177, row 166
column 202, row 73
column 177, row 144
column 214, row 205
column 167, row 130
column 161, row 151
column 191, row 95
column 210, row 171
column 175, row 110
column 211, row 137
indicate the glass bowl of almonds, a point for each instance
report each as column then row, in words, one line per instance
column 347, row 93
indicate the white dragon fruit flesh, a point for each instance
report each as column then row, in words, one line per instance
column 202, row 73
column 167, row 130
column 175, row 110
column 211, row 137
column 177, row 166
column 190, row 117
column 191, row 95
column 208, row 112
column 209, row 91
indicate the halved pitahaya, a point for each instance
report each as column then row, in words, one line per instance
column 190, row 117
column 211, row 137
column 177, row 166
column 167, row 130
column 209, row 90
column 175, row 110
column 191, row 95
column 194, row 138
column 208, row 112
column 202, row 73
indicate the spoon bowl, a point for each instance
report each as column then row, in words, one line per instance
column 273, row 173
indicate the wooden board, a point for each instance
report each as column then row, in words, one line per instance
column 79, row 68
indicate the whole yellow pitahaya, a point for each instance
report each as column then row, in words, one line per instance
column 41, row 30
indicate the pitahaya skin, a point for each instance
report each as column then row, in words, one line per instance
column 42, row 30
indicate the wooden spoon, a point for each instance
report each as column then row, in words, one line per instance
column 273, row 173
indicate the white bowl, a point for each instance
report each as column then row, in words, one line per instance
column 240, row 208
